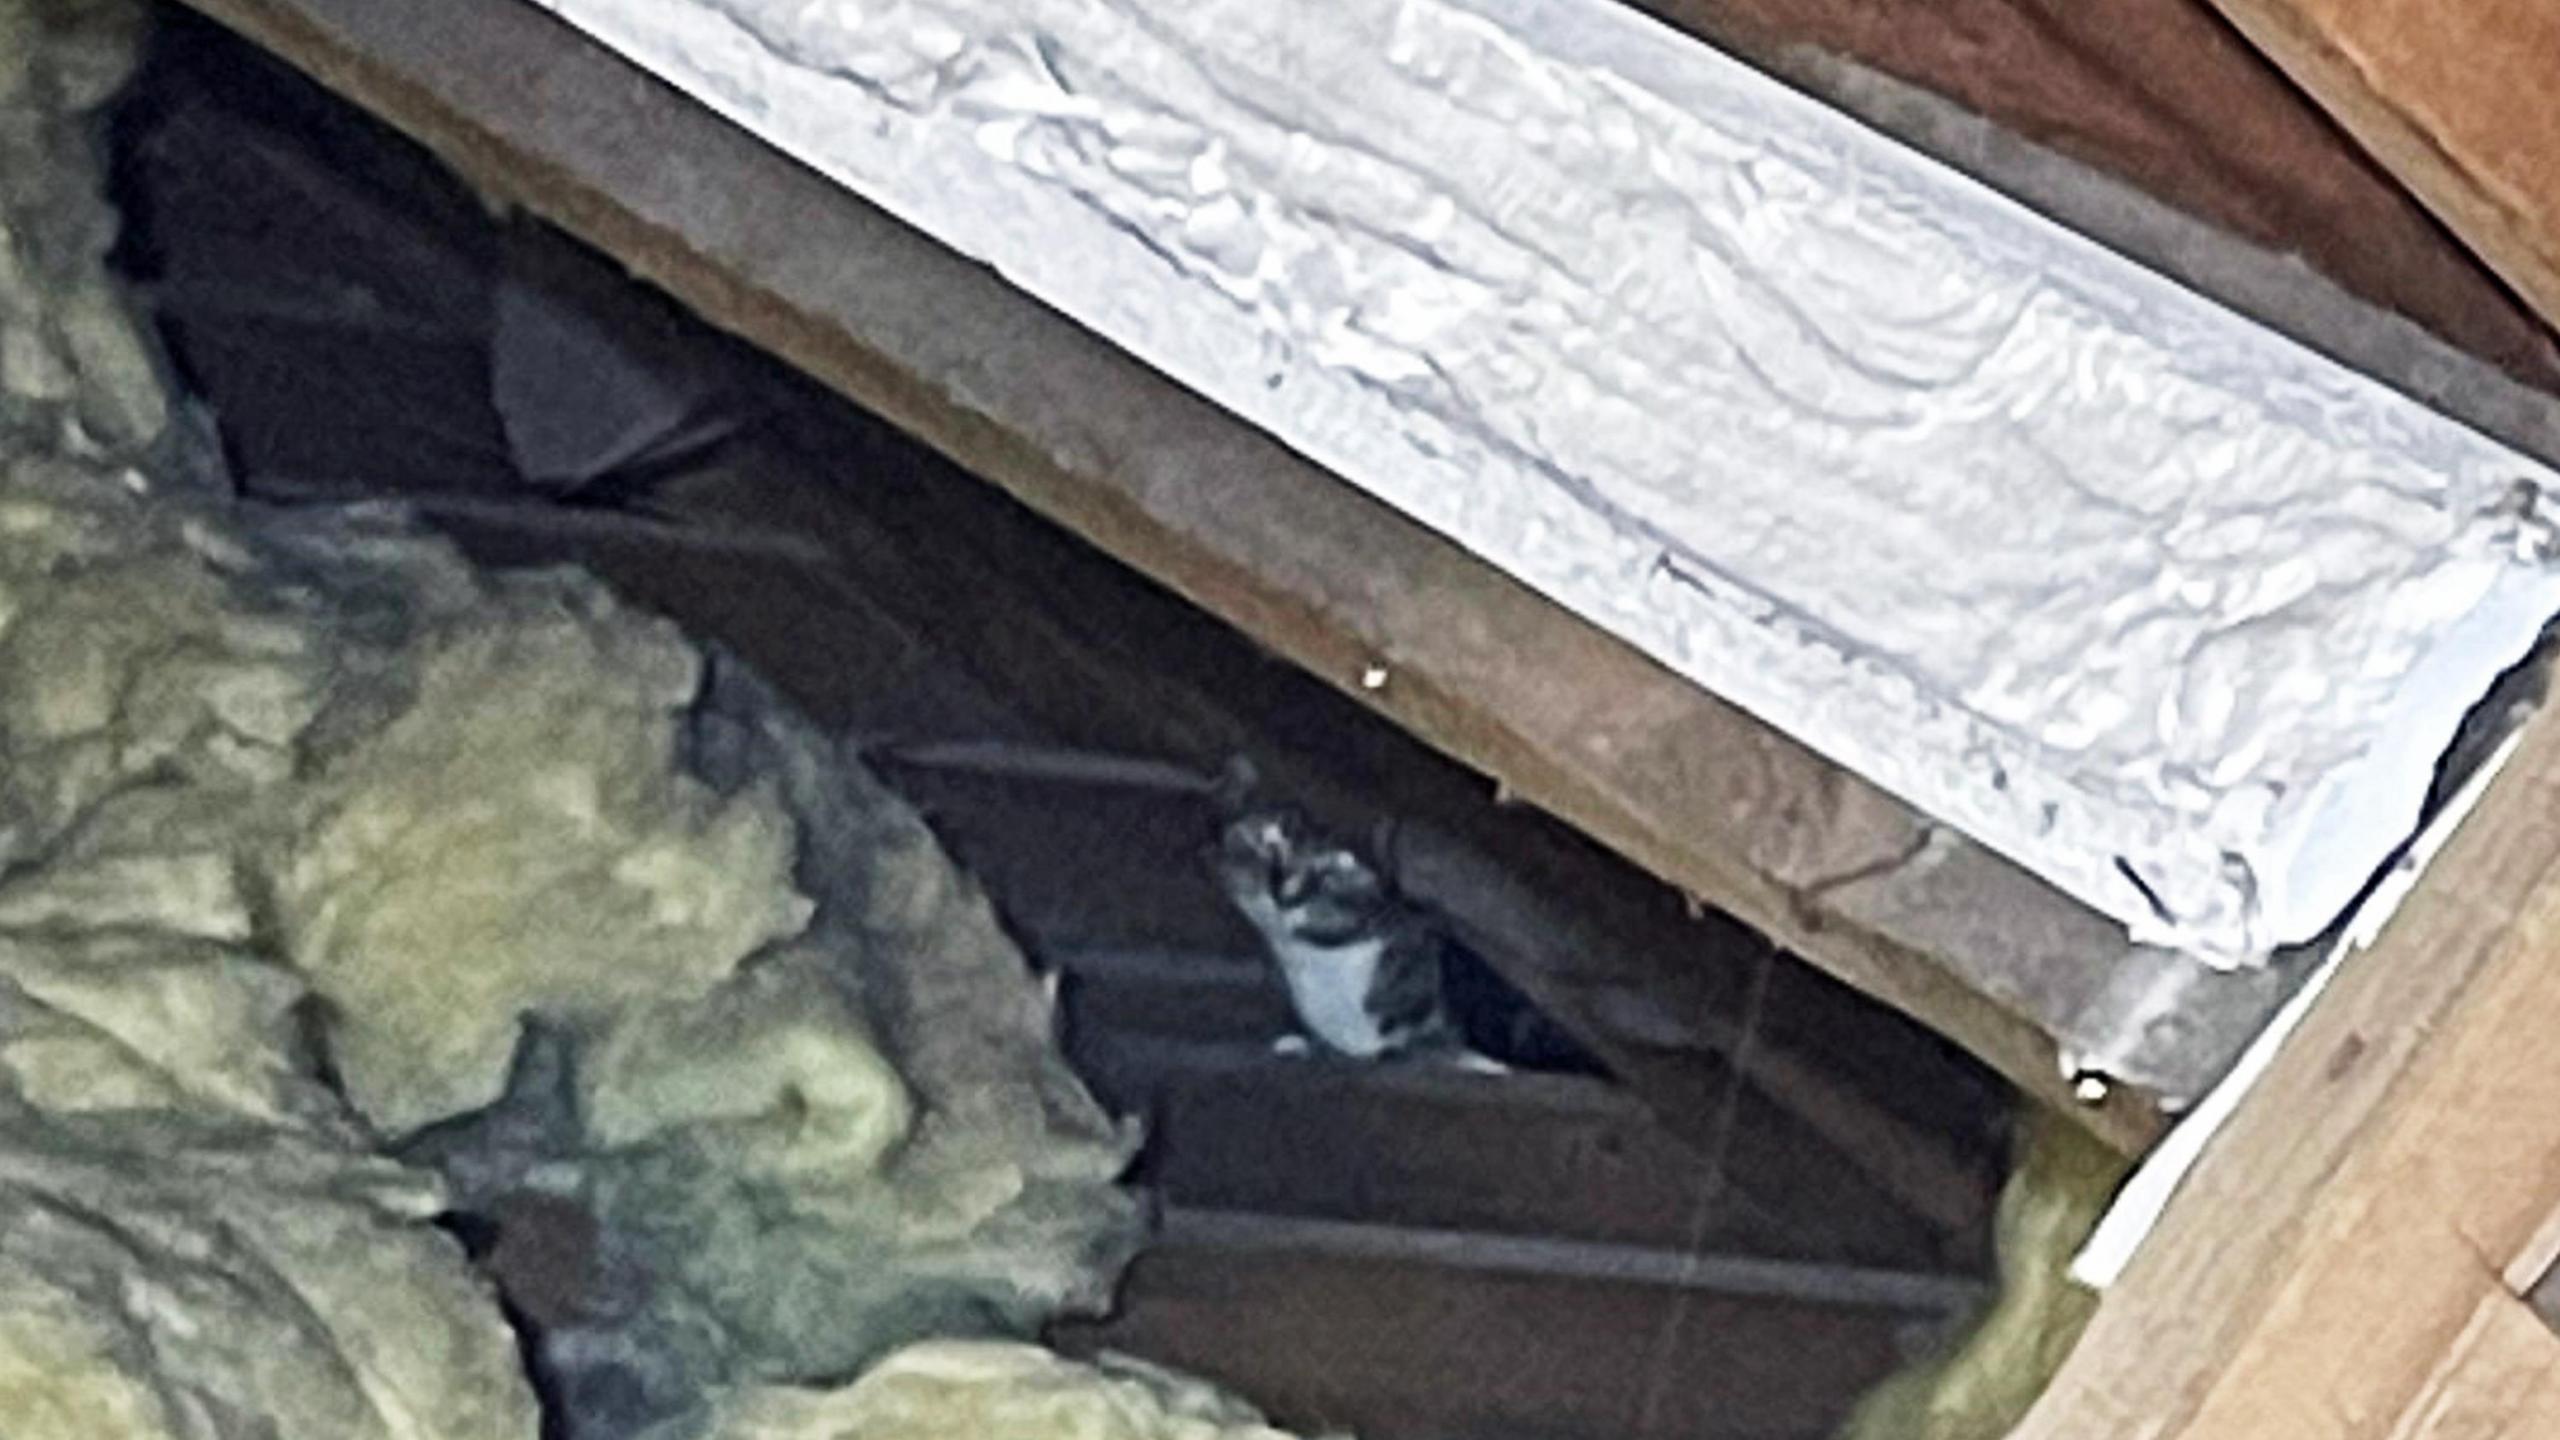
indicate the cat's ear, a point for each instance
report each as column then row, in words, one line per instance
column 1233, row 790
column 1382, row 847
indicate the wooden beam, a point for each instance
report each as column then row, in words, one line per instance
column 1556, row 1155
column 2501, row 1376
column 1560, row 955
column 1334, row 1339
column 1567, row 717
column 2165, row 95
column 2345, row 1262
column 1932, row 1296
column 2455, row 97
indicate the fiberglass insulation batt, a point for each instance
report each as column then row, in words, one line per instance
column 343, row 885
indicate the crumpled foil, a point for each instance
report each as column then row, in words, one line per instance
column 2169, row 610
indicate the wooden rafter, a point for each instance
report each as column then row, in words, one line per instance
column 2348, row 1260
column 2163, row 94
column 2455, row 97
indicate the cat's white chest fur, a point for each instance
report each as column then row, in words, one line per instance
column 1329, row 985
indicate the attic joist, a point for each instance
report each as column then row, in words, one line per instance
column 2348, row 1260
column 2167, row 96
column 2455, row 97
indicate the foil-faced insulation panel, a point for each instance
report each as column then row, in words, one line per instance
column 2169, row 610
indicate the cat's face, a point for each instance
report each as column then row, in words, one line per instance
column 1276, row 857
column 1256, row 853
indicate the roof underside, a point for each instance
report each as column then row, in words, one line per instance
column 2161, row 606
column 1645, row 331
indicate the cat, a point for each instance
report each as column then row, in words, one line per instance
column 1364, row 968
